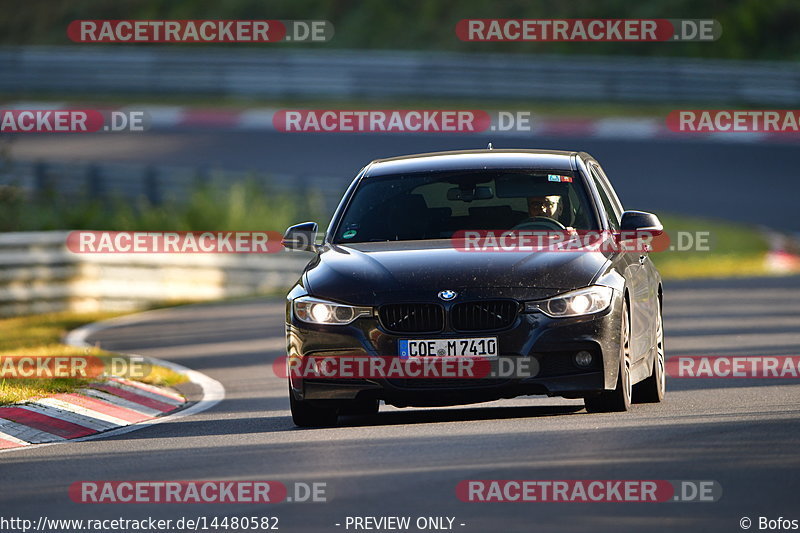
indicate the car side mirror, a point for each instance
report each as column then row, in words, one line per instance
column 301, row 237
column 634, row 222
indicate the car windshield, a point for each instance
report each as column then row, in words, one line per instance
column 436, row 205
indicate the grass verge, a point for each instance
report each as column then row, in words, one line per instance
column 733, row 250
column 40, row 336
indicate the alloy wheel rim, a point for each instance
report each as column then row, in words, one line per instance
column 626, row 376
column 660, row 360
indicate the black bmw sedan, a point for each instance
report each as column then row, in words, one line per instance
column 423, row 261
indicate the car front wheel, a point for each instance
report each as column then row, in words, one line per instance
column 306, row 414
column 654, row 388
column 618, row 399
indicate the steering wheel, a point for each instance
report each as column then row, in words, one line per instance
column 540, row 223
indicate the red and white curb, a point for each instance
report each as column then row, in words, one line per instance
column 70, row 416
column 260, row 119
column 784, row 253
column 109, row 408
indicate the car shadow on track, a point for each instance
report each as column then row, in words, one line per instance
column 467, row 414
column 182, row 428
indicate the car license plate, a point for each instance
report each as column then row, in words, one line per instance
column 473, row 347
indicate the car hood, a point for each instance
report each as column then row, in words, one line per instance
column 375, row 273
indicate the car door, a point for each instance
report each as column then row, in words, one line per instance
column 635, row 273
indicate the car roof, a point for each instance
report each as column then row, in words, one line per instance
column 472, row 160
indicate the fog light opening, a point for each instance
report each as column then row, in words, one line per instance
column 583, row 358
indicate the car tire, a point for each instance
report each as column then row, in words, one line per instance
column 654, row 388
column 619, row 399
column 306, row 414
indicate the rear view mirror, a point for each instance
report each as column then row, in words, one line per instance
column 301, row 237
column 468, row 195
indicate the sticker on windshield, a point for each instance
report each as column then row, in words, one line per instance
column 559, row 179
column 349, row 234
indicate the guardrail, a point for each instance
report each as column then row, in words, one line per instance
column 156, row 183
column 371, row 74
column 38, row 274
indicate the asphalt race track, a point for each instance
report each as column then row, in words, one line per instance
column 756, row 183
column 742, row 433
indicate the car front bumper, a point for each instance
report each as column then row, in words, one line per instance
column 549, row 343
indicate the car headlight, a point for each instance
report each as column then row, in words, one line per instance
column 580, row 302
column 316, row 311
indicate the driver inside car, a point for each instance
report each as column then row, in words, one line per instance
column 545, row 206
column 549, row 206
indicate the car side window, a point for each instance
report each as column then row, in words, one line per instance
column 608, row 207
column 612, row 194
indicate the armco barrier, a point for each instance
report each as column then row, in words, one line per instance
column 156, row 183
column 38, row 274
column 274, row 72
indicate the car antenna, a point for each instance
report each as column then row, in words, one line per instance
column 490, row 147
